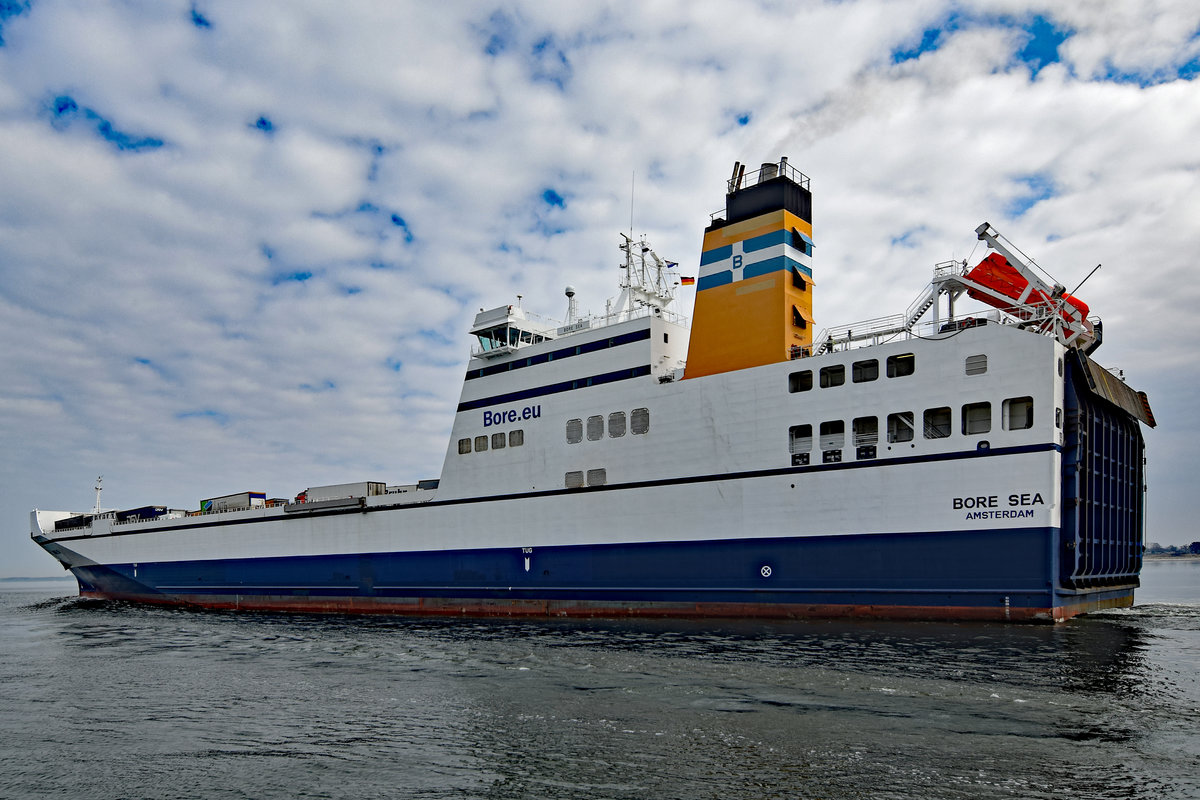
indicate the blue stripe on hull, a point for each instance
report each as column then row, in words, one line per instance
column 1009, row 569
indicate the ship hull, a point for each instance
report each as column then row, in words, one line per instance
column 1003, row 576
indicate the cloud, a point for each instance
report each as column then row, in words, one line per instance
column 240, row 246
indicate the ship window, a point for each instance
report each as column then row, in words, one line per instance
column 639, row 421
column 798, row 277
column 798, row 319
column 595, row 428
column 863, row 371
column 498, row 441
column 1018, row 413
column 976, row 365
column 866, row 431
column 799, row 439
column 616, row 424
column 901, row 365
column 516, row 438
column 480, row 444
column 900, row 427
column 1060, row 368
column 1058, row 418
column 574, row 480
column 464, row 446
column 597, row 477
column 833, row 435
column 800, row 381
column 976, row 418
column 574, row 431
column 833, row 376
column 937, row 423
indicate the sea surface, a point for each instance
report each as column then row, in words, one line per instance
column 110, row 700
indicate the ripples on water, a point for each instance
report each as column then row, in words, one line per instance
column 114, row 700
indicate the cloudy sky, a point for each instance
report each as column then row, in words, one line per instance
column 241, row 242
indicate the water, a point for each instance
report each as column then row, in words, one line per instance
column 112, row 700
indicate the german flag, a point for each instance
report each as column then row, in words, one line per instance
column 686, row 281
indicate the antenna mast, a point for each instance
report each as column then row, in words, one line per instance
column 99, row 488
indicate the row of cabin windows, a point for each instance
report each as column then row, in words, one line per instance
column 897, row 366
column 639, row 423
column 498, row 441
column 937, row 423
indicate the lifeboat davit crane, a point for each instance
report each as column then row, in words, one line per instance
column 1008, row 282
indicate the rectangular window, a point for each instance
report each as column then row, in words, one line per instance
column 481, row 443
column 833, row 376
column 800, row 439
column 800, row 381
column 900, row 427
column 1018, row 413
column 574, row 431
column 1058, row 418
column 798, row 320
column 863, row 371
column 639, row 421
column 798, row 279
column 976, row 418
column 616, row 424
column 901, row 365
column 597, row 477
column 833, row 435
column 498, row 441
column 595, row 428
column 516, row 438
column 937, row 423
column 866, row 431
column 574, row 480
column 464, row 446
column 976, row 365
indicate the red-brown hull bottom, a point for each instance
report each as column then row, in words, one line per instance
column 476, row 607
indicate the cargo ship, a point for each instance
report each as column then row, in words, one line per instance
column 932, row 464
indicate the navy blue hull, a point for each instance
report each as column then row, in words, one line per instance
column 1007, row 575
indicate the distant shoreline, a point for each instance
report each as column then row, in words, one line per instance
column 30, row 580
column 1169, row 557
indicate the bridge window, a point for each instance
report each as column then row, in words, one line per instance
column 833, row 435
column 900, row 427
column 1018, row 413
column 863, row 371
column 800, row 381
column 901, row 365
column 800, row 439
column 866, row 431
column 976, row 418
column 833, row 376
column 937, row 423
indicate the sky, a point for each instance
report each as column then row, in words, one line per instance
column 241, row 243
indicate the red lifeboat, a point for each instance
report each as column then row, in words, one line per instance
column 1001, row 277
